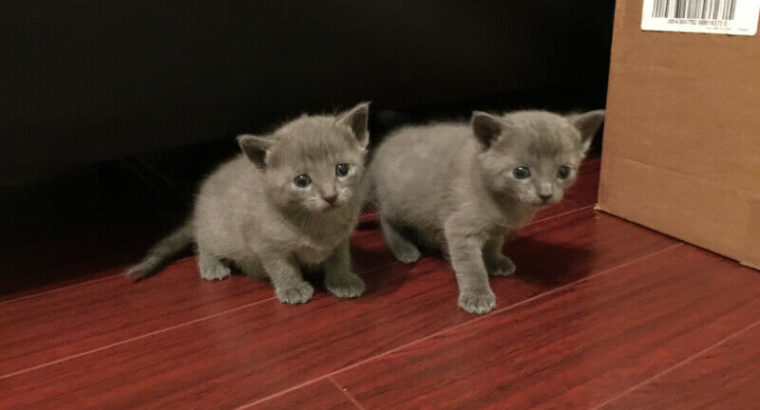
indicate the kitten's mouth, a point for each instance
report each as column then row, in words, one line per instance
column 547, row 201
column 331, row 206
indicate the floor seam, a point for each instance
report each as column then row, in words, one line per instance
column 678, row 365
column 346, row 393
column 468, row 322
column 132, row 339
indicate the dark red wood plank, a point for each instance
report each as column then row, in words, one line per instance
column 573, row 349
column 54, row 325
column 320, row 395
column 59, row 323
column 724, row 377
column 51, row 326
column 270, row 347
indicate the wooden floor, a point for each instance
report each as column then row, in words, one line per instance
column 601, row 314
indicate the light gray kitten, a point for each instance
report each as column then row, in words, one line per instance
column 461, row 189
column 290, row 202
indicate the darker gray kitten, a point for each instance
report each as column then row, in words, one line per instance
column 289, row 203
column 461, row 189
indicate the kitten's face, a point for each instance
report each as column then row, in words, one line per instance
column 535, row 157
column 316, row 171
column 315, row 163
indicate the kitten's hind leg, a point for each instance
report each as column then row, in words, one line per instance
column 496, row 263
column 404, row 250
column 211, row 267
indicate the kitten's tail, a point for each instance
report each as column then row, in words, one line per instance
column 161, row 253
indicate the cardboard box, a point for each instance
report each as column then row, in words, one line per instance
column 681, row 151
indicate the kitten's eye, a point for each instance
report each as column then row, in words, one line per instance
column 341, row 169
column 302, row 181
column 521, row 172
column 563, row 172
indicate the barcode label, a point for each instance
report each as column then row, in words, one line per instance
column 695, row 9
column 737, row 17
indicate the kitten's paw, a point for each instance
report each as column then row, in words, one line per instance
column 300, row 293
column 346, row 286
column 501, row 266
column 407, row 254
column 215, row 271
column 479, row 303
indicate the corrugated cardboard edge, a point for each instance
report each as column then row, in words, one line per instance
column 623, row 199
column 600, row 208
column 753, row 234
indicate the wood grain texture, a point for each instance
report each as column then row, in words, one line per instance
column 600, row 310
column 576, row 348
column 320, row 395
column 110, row 310
column 94, row 314
column 726, row 376
column 269, row 347
column 90, row 315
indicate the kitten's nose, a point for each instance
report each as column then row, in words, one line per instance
column 545, row 191
column 330, row 199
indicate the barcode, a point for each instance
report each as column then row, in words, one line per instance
column 733, row 17
column 695, row 9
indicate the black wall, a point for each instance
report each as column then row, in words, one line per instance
column 84, row 81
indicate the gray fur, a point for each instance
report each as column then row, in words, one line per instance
column 161, row 253
column 450, row 187
column 250, row 214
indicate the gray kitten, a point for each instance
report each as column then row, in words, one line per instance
column 290, row 202
column 461, row 189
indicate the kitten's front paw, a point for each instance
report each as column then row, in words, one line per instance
column 501, row 266
column 407, row 254
column 300, row 293
column 346, row 286
column 216, row 271
column 477, row 302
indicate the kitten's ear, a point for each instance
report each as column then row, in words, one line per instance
column 486, row 128
column 588, row 124
column 356, row 119
column 255, row 148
